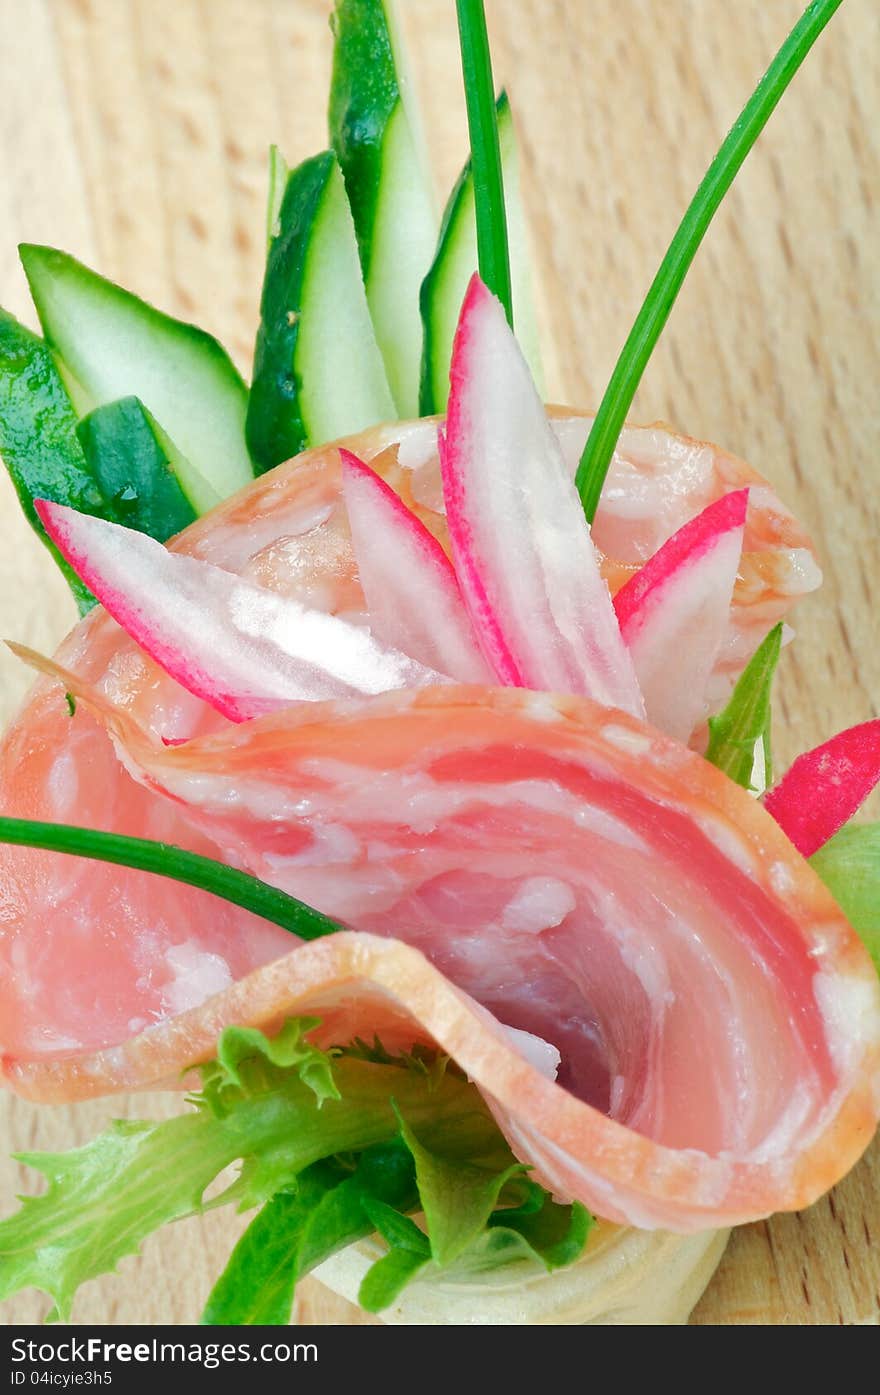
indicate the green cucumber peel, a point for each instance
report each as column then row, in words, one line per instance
column 849, row 865
column 364, row 95
column 116, row 464
column 454, row 263
column 318, row 373
column 746, row 720
column 112, row 344
column 375, row 135
column 658, row 303
column 38, row 440
column 137, row 468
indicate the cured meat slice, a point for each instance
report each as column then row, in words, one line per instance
column 563, row 870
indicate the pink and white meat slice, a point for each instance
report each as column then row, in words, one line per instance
column 552, row 863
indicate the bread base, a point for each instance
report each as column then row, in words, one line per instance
column 625, row 1277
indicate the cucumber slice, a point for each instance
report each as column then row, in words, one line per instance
column 114, row 344
column 38, row 439
column 116, row 464
column 375, row 134
column 455, row 262
column 136, row 468
column 278, row 172
column 318, row 372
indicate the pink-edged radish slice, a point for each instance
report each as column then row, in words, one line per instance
column 409, row 583
column 522, row 549
column 826, row 786
column 244, row 650
column 675, row 611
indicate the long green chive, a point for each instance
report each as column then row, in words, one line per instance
column 169, row 861
column 493, row 253
column 667, row 283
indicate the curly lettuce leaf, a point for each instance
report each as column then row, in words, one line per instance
column 543, row 1230
column 385, row 1280
column 270, row 1111
column 472, row 1225
column 329, row 1208
column 103, row 1199
column 248, row 1062
column 322, row 1151
column 457, row 1197
column 849, row 865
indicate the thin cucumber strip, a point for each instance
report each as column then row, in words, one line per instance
column 114, row 345
column 455, row 262
column 38, row 440
column 201, row 495
column 318, row 372
column 135, row 466
column 278, row 172
column 385, row 171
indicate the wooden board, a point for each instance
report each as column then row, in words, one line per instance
column 134, row 133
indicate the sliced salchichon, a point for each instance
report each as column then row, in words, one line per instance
column 112, row 344
column 318, row 372
column 455, row 262
column 374, row 132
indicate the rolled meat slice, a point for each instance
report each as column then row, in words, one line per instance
column 553, row 866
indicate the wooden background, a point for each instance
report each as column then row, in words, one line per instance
column 134, row 134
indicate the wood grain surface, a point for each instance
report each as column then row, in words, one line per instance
column 134, row 134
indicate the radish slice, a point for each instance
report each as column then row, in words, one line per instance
column 409, row 583
column 674, row 613
column 825, row 787
column 522, row 549
column 245, row 650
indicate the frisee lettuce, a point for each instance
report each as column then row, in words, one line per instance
column 332, row 1145
column 330, row 1208
column 849, row 865
column 457, row 1197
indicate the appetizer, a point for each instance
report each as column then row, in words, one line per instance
column 405, row 792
